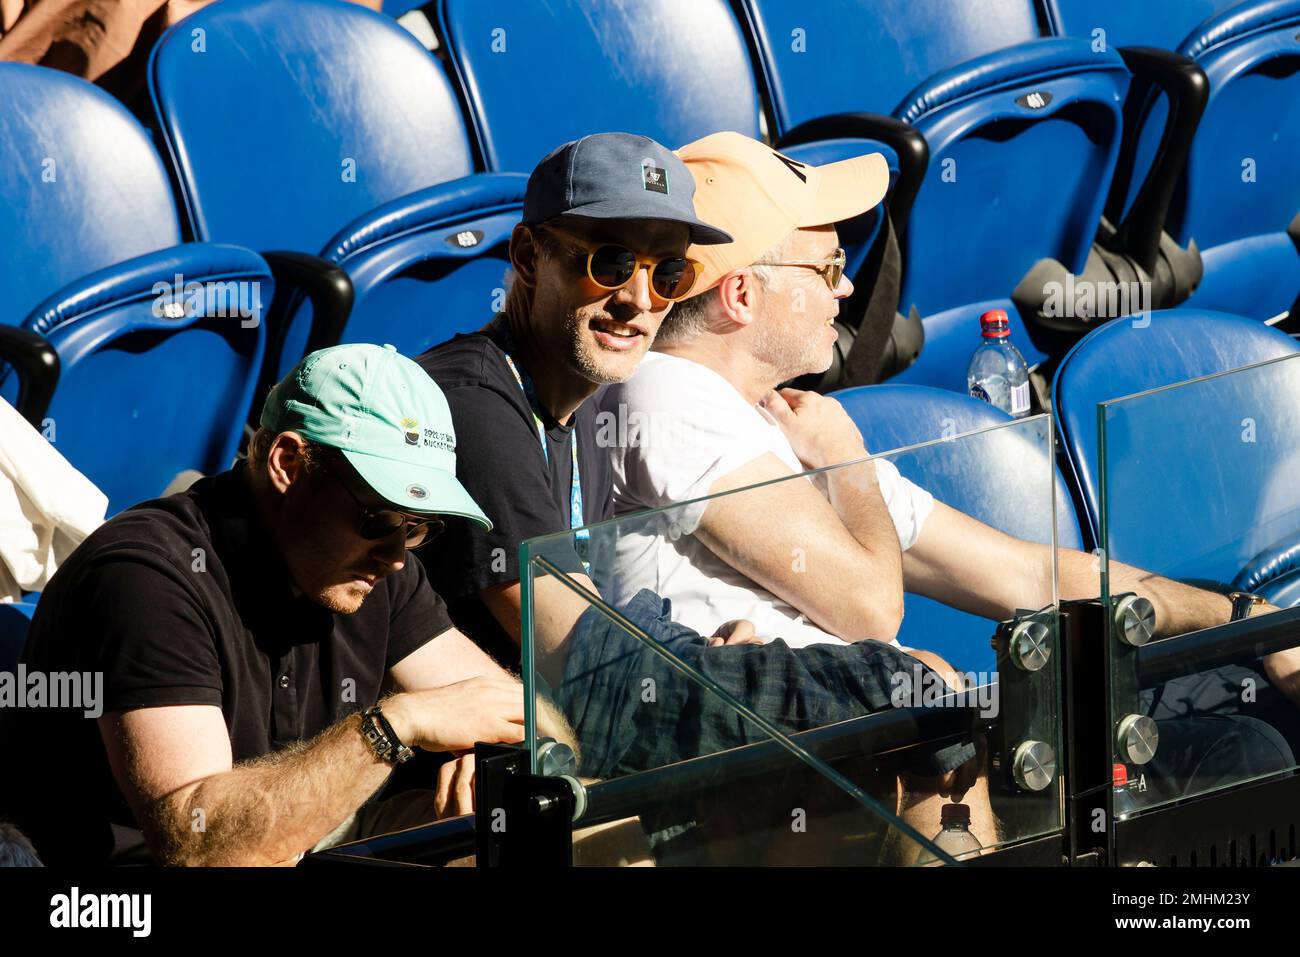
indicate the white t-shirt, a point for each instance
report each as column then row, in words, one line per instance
column 675, row 428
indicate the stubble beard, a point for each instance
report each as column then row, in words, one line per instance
column 342, row 599
column 583, row 350
column 791, row 356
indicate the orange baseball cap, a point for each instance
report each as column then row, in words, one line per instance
column 760, row 197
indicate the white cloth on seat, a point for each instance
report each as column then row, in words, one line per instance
column 681, row 426
column 47, row 507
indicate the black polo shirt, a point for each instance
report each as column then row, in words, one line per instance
column 184, row 600
column 499, row 459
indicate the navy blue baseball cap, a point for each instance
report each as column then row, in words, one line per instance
column 616, row 176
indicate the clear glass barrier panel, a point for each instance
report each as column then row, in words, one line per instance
column 797, row 732
column 1198, row 486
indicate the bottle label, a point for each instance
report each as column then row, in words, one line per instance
column 1020, row 399
column 978, row 392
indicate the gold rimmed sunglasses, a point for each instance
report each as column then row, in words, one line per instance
column 831, row 270
column 611, row 266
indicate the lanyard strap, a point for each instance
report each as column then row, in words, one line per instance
column 582, row 536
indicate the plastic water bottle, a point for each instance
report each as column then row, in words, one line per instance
column 956, row 838
column 997, row 372
column 1123, row 800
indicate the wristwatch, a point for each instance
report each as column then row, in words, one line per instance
column 381, row 737
column 1243, row 603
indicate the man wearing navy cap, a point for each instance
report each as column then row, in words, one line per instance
column 598, row 260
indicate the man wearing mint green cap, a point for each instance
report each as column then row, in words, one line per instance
column 375, row 406
column 245, row 630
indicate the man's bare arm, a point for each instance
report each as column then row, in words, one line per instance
column 834, row 556
column 174, row 766
column 556, row 611
column 964, row 563
column 453, row 656
column 807, row 557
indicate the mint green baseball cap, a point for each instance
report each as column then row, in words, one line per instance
column 388, row 418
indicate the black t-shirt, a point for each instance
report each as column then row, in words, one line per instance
column 184, row 600
column 499, row 460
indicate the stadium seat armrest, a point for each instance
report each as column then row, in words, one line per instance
column 1188, row 89
column 37, row 366
column 903, row 138
column 326, row 286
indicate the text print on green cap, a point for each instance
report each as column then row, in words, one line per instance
column 388, row 418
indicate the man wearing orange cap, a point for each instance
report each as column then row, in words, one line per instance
column 764, row 317
column 710, row 386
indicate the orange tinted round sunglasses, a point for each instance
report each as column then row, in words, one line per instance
column 611, row 266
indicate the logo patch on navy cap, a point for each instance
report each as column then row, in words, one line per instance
column 654, row 178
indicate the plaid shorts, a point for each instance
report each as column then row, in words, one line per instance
column 634, row 711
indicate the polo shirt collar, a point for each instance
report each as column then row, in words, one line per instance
column 249, row 553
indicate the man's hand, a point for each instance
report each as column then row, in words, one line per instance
column 818, row 429
column 455, row 794
column 1282, row 668
column 456, row 716
column 738, row 631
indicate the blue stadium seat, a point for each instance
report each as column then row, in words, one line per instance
column 539, row 74
column 81, row 186
column 1238, row 198
column 157, row 362
column 360, row 157
column 429, row 265
column 970, row 476
column 1023, row 133
column 342, row 111
column 1151, row 23
column 1121, row 359
column 15, row 618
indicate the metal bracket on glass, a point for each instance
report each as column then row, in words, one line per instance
column 555, row 759
column 521, row 819
column 1133, row 623
column 1134, row 620
column 1022, row 742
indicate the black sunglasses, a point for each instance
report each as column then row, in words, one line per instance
column 376, row 524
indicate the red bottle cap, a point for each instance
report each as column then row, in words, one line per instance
column 994, row 324
column 951, row 814
column 1119, row 774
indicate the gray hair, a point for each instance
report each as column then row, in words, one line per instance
column 691, row 318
